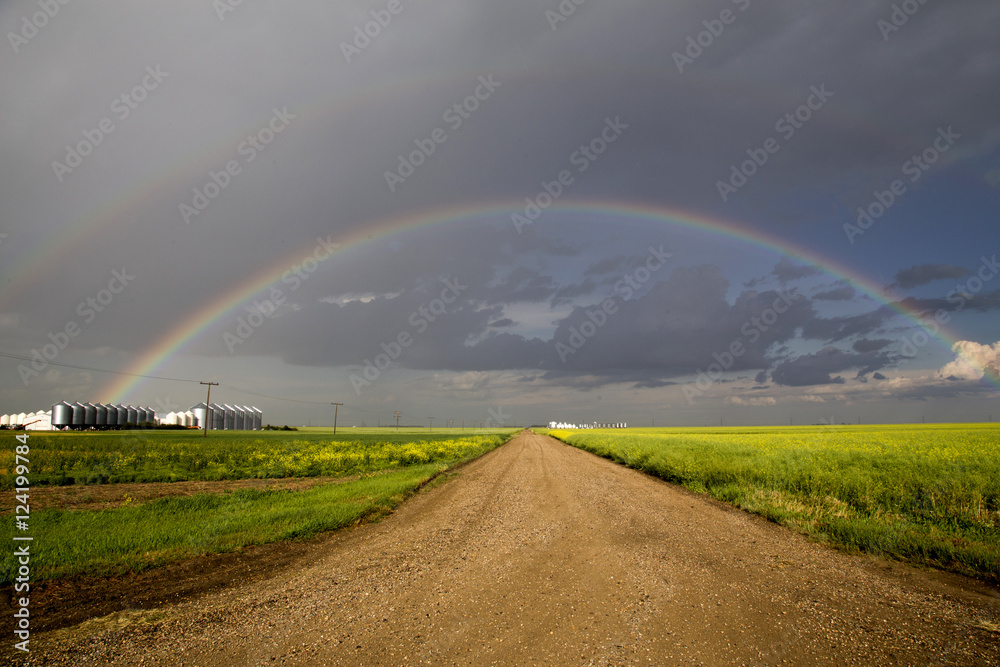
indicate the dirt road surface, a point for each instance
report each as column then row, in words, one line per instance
column 541, row 554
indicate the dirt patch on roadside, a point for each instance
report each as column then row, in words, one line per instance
column 106, row 496
column 61, row 603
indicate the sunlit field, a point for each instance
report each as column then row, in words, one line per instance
column 923, row 493
column 169, row 456
column 375, row 471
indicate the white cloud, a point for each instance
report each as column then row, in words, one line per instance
column 752, row 402
column 971, row 360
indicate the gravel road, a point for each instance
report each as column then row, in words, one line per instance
column 541, row 554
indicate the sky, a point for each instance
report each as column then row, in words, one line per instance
column 671, row 213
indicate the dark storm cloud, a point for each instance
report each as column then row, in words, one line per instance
column 866, row 345
column 956, row 388
column 608, row 265
column 570, row 293
column 818, row 369
column 845, row 293
column 787, row 271
column 922, row 274
column 836, row 329
column 954, row 302
column 672, row 330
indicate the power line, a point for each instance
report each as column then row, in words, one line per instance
column 96, row 370
column 241, row 390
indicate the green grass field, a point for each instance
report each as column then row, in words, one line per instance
column 137, row 537
column 112, row 457
column 927, row 494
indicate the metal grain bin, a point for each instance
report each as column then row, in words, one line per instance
column 62, row 414
column 218, row 417
column 199, row 411
column 102, row 415
column 79, row 414
column 89, row 414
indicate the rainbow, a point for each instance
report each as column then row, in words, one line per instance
column 244, row 290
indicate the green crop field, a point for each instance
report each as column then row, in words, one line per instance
column 928, row 494
column 382, row 470
column 114, row 457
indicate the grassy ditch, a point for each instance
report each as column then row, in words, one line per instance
column 136, row 537
column 926, row 494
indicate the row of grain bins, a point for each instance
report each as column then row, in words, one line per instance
column 99, row 415
column 228, row 417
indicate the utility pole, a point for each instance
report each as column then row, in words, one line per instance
column 397, row 413
column 431, row 420
column 336, row 408
column 208, row 404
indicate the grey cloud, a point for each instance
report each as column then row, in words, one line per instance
column 818, row 369
column 922, row 274
column 845, row 293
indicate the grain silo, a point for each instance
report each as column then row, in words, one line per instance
column 102, row 415
column 89, row 415
column 230, row 417
column 4, row 420
column 241, row 418
column 79, row 413
column 218, row 417
column 257, row 418
column 62, row 414
column 112, row 415
column 199, row 411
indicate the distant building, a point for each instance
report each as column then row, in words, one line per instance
column 565, row 426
